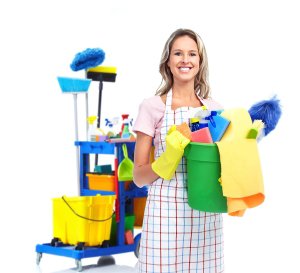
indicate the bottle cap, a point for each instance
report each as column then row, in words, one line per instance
column 194, row 120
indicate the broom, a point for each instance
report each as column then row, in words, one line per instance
column 74, row 86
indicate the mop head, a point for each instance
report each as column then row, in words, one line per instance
column 90, row 57
column 269, row 111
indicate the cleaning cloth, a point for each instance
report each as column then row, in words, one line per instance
column 240, row 123
column 241, row 175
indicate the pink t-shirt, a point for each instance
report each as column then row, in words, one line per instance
column 151, row 113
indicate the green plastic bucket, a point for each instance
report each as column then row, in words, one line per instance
column 203, row 171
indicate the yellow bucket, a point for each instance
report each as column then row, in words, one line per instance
column 84, row 219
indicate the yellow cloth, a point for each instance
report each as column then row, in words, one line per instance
column 239, row 126
column 241, row 175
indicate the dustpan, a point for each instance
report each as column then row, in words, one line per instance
column 125, row 169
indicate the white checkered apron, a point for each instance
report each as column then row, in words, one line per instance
column 176, row 238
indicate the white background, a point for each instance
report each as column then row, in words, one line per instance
column 253, row 52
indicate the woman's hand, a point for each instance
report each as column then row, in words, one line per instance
column 166, row 165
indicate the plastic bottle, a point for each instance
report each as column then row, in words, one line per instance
column 203, row 115
column 125, row 131
column 92, row 130
column 195, row 124
column 124, row 120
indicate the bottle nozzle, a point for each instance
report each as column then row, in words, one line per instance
column 91, row 119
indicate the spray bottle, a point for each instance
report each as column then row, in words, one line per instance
column 126, row 132
column 202, row 115
column 124, row 121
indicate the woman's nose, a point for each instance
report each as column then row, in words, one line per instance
column 185, row 59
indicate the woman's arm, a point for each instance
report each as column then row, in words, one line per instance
column 142, row 172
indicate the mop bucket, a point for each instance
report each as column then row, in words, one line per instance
column 203, row 172
column 83, row 220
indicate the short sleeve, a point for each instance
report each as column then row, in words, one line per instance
column 150, row 113
column 212, row 104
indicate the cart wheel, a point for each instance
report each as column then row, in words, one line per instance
column 80, row 246
column 55, row 241
column 137, row 249
column 105, row 244
column 38, row 258
column 78, row 265
column 106, row 260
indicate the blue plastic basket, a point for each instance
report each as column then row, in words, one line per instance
column 73, row 84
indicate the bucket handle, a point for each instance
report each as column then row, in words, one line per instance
column 95, row 220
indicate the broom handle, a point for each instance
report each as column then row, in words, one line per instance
column 99, row 103
column 87, row 114
column 99, row 113
column 76, row 138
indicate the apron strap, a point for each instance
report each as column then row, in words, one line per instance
column 169, row 101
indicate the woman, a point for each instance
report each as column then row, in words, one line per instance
column 175, row 238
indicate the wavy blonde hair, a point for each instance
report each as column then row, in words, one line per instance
column 201, row 84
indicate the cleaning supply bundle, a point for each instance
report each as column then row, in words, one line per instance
column 207, row 126
column 226, row 176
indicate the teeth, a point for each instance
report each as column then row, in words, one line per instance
column 185, row 69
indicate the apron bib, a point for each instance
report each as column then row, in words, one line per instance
column 176, row 238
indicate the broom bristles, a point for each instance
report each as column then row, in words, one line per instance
column 73, row 84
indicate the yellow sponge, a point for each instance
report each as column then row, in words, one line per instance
column 103, row 69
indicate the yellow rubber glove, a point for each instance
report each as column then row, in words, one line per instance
column 166, row 165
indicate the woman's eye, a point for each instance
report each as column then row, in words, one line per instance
column 177, row 53
column 193, row 54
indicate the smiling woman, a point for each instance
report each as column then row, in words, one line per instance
column 175, row 237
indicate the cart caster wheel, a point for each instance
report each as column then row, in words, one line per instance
column 106, row 260
column 137, row 248
column 38, row 258
column 80, row 246
column 78, row 265
column 105, row 244
column 55, row 242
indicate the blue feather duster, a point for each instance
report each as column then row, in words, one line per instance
column 90, row 57
column 269, row 111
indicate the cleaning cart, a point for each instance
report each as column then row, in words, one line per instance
column 113, row 229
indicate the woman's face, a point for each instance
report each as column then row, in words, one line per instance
column 184, row 59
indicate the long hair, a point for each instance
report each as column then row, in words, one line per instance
column 201, row 84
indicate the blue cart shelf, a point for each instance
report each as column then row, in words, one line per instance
column 87, row 148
